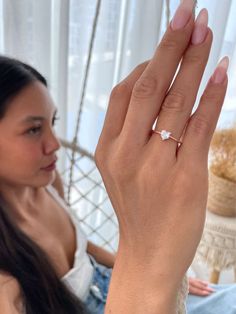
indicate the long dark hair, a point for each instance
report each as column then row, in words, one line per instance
column 42, row 290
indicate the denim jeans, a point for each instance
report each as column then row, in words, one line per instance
column 96, row 300
column 223, row 301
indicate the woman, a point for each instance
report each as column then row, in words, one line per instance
column 36, row 242
column 32, row 247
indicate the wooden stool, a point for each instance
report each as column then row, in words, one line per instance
column 217, row 247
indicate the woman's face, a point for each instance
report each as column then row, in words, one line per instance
column 28, row 143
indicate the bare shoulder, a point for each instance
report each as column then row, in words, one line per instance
column 10, row 295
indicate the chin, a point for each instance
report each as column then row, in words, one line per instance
column 46, row 179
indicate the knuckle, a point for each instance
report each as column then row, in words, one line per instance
column 200, row 125
column 98, row 157
column 175, row 101
column 120, row 89
column 145, row 87
column 114, row 167
column 193, row 59
column 141, row 66
column 211, row 96
column 101, row 153
column 168, row 44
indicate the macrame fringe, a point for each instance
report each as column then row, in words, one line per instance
column 182, row 296
column 217, row 250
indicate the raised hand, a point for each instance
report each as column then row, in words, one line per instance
column 158, row 187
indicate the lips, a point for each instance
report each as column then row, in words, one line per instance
column 52, row 164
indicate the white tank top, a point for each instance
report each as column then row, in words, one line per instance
column 79, row 278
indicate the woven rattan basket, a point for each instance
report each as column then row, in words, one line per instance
column 221, row 196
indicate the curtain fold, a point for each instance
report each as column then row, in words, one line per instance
column 139, row 35
column 27, row 32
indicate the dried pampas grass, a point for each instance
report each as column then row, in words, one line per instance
column 223, row 154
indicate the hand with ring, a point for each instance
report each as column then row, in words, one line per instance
column 157, row 179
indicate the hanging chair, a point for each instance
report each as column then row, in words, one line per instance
column 82, row 181
column 84, row 189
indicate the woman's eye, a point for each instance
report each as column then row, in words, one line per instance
column 54, row 120
column 34, row 130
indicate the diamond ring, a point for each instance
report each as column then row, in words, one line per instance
column 166, row 135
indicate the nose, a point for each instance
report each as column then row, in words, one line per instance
column 51, row 143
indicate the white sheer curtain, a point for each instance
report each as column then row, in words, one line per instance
column 53, row 35
column 37, row 32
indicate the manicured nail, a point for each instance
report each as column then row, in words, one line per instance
column 220, row 73
column 183, row 14
column 200, row 29
column 210, row 289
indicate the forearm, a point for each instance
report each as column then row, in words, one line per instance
column 138, row 288
column 101, row 255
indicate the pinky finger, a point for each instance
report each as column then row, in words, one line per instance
column 202, row 124
column 199, row 292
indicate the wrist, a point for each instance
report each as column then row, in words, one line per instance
column 132, row 279
column 156, row 263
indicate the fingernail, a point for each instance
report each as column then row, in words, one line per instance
column 220, row 73
column 183, row 14
column 200, row 29
column 210, row 289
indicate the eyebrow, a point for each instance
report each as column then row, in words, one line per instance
column 31, row 119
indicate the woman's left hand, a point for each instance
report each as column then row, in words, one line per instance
column 199, row 287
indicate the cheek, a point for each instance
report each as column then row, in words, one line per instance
column 32, row 156
column 20, row 155
column 21, row 163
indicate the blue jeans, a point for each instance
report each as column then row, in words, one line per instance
column 96, row 300
column 223, row 301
